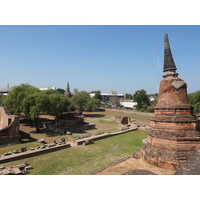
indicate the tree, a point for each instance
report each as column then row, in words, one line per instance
column 48, row 102
column 128, row 96
column 61, row 91
column 34, row 102
column 93, row 104
column 141, row 98
column 2, row 98
column 75, row 90
column 194, row 99
column 80, row 100
column 97, row 94
column 58, row 104
column 14, row 99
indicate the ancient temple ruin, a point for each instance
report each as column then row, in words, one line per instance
column 174, row 131
column 67, row 92
column 9, row 127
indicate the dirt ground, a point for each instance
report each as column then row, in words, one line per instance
column 132, row 164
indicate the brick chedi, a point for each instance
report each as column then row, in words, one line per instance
column 174, row 131
column 67, row 92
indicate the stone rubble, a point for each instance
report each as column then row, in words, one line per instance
column 20, row 169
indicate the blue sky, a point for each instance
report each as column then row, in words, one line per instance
column 106, row 58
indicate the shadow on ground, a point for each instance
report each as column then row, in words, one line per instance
column 25, row 137
column 94, row 115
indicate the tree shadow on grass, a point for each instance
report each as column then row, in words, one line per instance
column 25, row 137
column 94, row 115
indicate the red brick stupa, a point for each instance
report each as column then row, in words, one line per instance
column 174, row 131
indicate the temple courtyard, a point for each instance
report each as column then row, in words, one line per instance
column 105, row 156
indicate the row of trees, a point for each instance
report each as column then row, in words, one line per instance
column 194, row 99
column 33, row 102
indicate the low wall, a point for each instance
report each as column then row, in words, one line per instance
column 80, row 141
column 30, row 153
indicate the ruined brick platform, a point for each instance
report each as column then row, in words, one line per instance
column 174, row 131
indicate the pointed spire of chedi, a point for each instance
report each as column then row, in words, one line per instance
column 67, row 92
column 169, row 65
column 68, row 89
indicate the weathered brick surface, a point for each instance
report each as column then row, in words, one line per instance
column 9, row 127
column 168, row 94
column 191, row 166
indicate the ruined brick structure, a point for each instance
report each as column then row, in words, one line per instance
column 65, row 121
column 174, row 131
column 69, row 119
column 67, row 92
column 9, row 127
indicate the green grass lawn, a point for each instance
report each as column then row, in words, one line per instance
column 101, row 121
column 140, row 118
column 82, row 160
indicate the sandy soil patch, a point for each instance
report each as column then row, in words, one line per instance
column 132, row 164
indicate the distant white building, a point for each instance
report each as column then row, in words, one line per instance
column 106, row 96
column 48, row 88
column 4, row 91
column 151, row 98
column 128, row 104
column 92, row 94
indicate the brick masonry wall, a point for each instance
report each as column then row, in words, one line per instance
column 9, row 134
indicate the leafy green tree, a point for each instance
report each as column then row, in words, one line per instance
column 80, row 100
column 197, row 108
column 128, row 96
column 97, row 94
column 33, row 102
column 14, row 99
column 2, row 98
column 152, row 105
column 141, row 98
column 45, row 102
column 194, row 99
column 75, row 90
column 93, row 104
column 61, row 91
column 58, row 104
